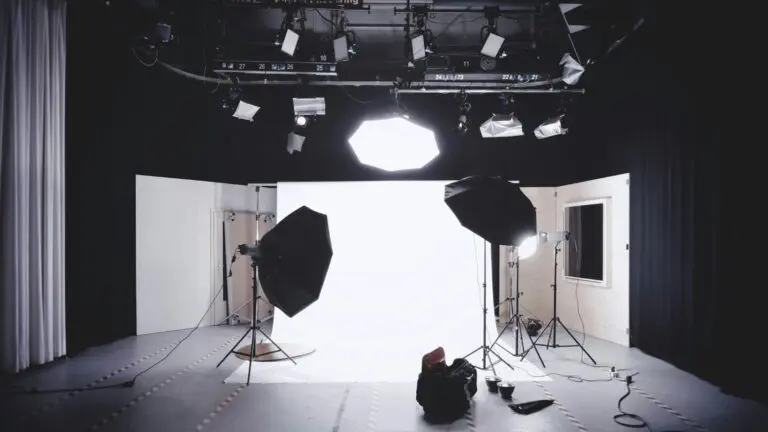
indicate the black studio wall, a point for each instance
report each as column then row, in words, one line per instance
column 642, row 115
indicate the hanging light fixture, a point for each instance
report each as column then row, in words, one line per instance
column 572, row 70
column 394, row 143
column 551, row 127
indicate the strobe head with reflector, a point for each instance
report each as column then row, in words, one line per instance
column 493, row 46
column 295, row 143
column 494, row 209
column 418, row 48
column 528, row 247
column 394, row 143
column 463, row 127
column 309, row 107
column 289, row 42
column 555, row 236
column 293, row 259
column 572, row 70
column 344, row 45
column 501, row 126
column 551, row 127
column 239, row 109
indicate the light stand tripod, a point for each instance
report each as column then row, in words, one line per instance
column 555, row 321
column 486, row 349
column 515, row 319
column 255, row 327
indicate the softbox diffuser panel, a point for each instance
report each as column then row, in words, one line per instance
column 296, row 256
column 493, row 208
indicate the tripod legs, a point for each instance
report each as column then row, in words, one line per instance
column 520, row 350
column 253, row 354
column 552, row 337
column 487, row 351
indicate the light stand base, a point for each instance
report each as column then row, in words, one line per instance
column 251, row 355
column 487, row 361
column 268, row 352
column 552, row 338
column 520, row 350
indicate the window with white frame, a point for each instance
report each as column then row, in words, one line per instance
column 585, row 254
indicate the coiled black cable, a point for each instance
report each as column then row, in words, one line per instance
column 628, row 419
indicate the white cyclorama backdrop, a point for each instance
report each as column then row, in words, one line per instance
column 405, row 278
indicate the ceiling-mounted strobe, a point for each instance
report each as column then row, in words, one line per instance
column 551, row 127
column 295, row 143
column 504, row 125
column 572, row 70
column 239, row 109
column 464, row 108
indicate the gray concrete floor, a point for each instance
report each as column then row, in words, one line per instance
column 186, row 393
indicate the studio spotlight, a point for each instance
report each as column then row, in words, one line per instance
column 344, row 46
column 341, row 48
column 492, row 46
column 501, row 126
column 528, row 247
column 394, row 143
column 572, row 70
column 295, row 143
column 290, row 42
column 463, row 126
column 464, row 108
column 245, row 111
column 240, row 109
column 550, row 128
column 419, row 47
column 309, row 107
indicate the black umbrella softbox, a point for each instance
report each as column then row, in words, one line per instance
column 495, row 209
column 294, row 259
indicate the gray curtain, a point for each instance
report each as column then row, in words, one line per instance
column 32, row 79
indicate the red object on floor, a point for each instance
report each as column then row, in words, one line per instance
column 434, row 357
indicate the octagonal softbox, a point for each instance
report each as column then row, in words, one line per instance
column 294, row 260
column 495, row 209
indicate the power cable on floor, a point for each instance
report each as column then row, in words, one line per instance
column 569, row 377
column 131, row 382
column 628, row 419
